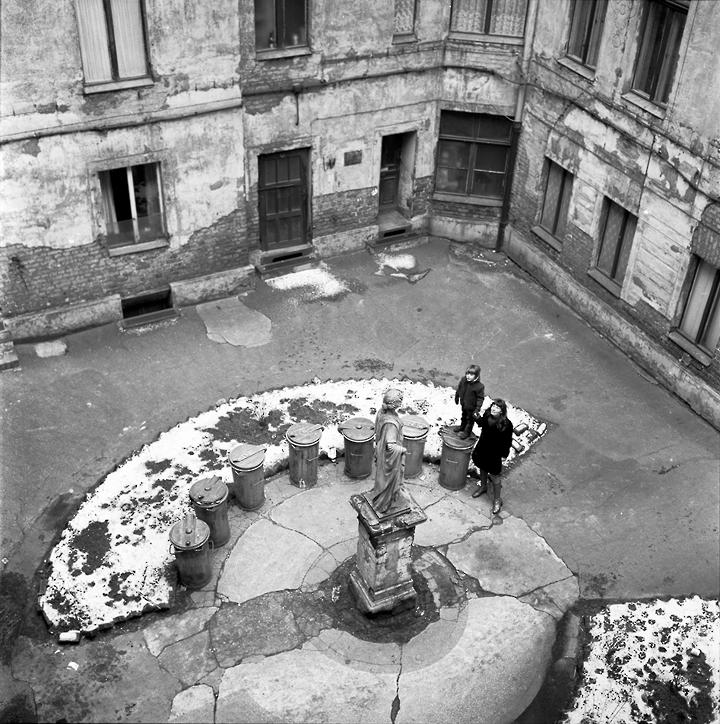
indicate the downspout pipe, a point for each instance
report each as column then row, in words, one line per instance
column 530, row 23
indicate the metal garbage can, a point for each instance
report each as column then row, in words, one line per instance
column 415, row 431
column 190, row 538
column 358, row 433
column 304, row 450
column 246, row 462
column 209, row 501
column 455, row 459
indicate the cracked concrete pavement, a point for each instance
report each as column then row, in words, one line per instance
column 623, row 488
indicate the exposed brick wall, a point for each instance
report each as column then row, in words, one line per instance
column 344, row 211
column 39, row 278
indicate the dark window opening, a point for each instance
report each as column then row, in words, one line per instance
column 556, row 202
column 588, row 20
column 701, row 317
column 280, row 24
column 618, row 229
column 149, row 307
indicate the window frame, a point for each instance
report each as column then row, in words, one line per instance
column 591, row 36
column 116, row 81
column 651, row 85
column 277, row 50
column 476, row 143
column 710, row 314
column 555, row 233
column 622, row 251
column 487, row 22
column 404, row 36
column 116, row 243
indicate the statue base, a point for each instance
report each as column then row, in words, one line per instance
column 381, row 580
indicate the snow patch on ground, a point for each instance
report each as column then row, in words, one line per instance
column 318, row 282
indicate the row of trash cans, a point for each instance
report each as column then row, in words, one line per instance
column 206, row 526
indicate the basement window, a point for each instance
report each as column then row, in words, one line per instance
column 148, row 307
column 132, row 205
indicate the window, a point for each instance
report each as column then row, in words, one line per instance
column 404, row 19
column 280, row 24
column 112, row 40
column 557, row 200
column 701, row 318
column 617, row 231
column 132, row 204
column 588, row 19
column 663, row 25
column 473, row 154
column 489, row 17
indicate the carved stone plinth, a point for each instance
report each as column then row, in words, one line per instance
column 382, row 577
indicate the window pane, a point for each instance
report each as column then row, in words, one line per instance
column 495, row 128
column 94, row 40
column 596, row 30
column 457, row 124
column 562, row 216
column 293, row 31
column 697, row 301
column 487, row 183
column 626, row 245
column 711, row 336
column 468, row 16
column 453, row 162
column 265, row 24
column 552, row 197
column 404, row 16
column 129, row 41
column 582, row 11
column 491, row 158
column 508, row 17
column 610, row 238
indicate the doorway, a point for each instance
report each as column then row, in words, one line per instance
column 397, row 166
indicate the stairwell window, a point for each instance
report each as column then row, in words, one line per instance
column 701, row 317
column 473, row 154
column 280, row 24
column 586, row 28
column 489, row 17
column 662, row 28
column 617, row 229
column 132, row 204
column 112, row 42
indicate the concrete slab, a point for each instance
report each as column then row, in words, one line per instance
column 229, row 321
column 173, row 628
column 323, row 514
column 508, row 559
column 450, row 520
column 305, row 685
column 490, row 675
column 352, row 651
column 267, row 558
column 195, row 705
column 190, row 660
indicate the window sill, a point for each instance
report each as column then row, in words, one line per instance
column 282, row 53
column 483, row 38
column 400, row 38
column 647, row 105
column 692, row 349
column 604, row 281
column 472, row 200
column 117, row 85
column 547, row 237
column 577, row 67
column 137, row 248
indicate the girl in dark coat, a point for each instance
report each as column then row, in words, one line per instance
column 494, row 445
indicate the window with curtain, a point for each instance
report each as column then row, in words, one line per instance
column 132, row 204
column 701, row 317
column 112, row 40
column 489, row 17
column 556, row 202
column 404, row 17
column 586, row 27
column 473, row 152
column 616, row 236
column 662, row 28
column 280, row 24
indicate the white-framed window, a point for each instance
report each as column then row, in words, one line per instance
column 489, row 17
column 617, row 230
column 112, row 40
column 586, row 28
column 473, row 153
column 700, row 322
column 280, row 24
column 556, row 201
column 132, row 204
column 663, row 23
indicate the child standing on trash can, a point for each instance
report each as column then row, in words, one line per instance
column 470, row 395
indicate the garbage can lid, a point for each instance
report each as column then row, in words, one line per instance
column 357, row 429
column 208, row 491
column 414, row 426
column 304, row 433
column 189, row 533
column 246, row 456
column 451, row 439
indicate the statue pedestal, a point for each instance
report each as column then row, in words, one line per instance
column 381, row 579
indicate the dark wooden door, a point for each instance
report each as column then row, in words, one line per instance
column 283, row 196
column 390, row 171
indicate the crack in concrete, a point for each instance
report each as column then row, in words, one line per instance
column 544, row 585
column 395, row 707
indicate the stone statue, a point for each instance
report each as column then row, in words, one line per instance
column 389, row 453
